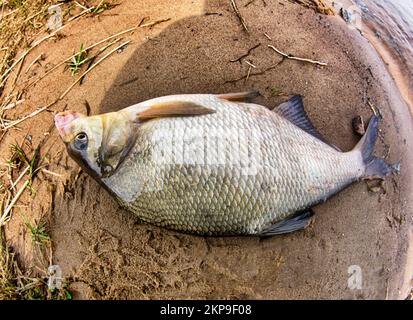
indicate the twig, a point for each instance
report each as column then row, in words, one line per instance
column 81, row 6
column 81, row 14
column 34, row 113
column 33, row 62
column 248, row 73
column 18, row 72
column 142, row 21
column 33, row 16
column 12, row 105
column 19, row 178
column 91, row 68
column 93, row 59
column 91, row 62
column 376, row 111
column 4, row 76
column 100, row 3
column 213, row 14
column 373, row 109
column 5, row 203
column 246, row 54
column 151, row 24
column 8, row 13
column 254, row 74
column 267, row 36
column 87, row 107
column 250, row 64
column 241, row 19
column 12, row 203
column 288, row 56
column 52, row 173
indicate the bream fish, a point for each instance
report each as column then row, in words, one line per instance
column 216, row 164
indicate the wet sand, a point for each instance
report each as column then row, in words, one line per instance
column 113, row 255
column 391, row 48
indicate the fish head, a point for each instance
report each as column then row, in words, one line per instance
column 98, row 143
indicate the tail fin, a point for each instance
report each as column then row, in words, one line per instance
column 375, row 167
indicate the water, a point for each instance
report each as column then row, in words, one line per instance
column 388, row 24
column 392, row 22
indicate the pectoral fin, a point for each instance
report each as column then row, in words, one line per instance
column 173, row 109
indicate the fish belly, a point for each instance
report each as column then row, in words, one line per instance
column 236, row 171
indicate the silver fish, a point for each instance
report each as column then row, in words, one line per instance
column 216, row 164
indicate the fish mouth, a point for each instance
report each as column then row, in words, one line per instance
column 63, row 120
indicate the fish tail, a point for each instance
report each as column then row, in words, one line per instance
column 374, row 167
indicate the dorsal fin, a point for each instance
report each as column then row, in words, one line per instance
column 293, row 110
column 239, row 96
column 173, row 109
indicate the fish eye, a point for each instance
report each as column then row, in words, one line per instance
column 81, row 141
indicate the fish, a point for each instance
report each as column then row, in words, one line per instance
column 217, row 164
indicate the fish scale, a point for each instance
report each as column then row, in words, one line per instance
column 222, row 198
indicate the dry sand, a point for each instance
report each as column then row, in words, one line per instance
column 113, row 255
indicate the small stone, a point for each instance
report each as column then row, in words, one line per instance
column 347, row 15
column 376, row 186
column 358, row 125
column 377, row 33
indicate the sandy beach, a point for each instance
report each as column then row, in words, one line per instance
column 201, row 47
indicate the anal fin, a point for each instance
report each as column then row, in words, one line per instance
column 298, row 221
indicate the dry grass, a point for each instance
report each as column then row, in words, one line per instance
column 8, row 273
column 20, row 22
column 14, row 167
column 23, row 26
column 16, row 285
column 75, row 62
column 319, row 6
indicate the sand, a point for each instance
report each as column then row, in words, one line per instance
column 112, row 255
